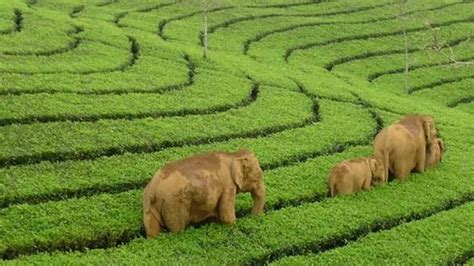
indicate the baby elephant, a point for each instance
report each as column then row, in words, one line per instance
column 353, row 175
column 434, row 153
column 200, row 187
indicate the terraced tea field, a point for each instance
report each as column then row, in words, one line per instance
column 96, row 95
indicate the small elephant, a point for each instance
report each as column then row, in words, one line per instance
column 354, row 175
column 435, row 153
column 200, row 187
column 402, row 146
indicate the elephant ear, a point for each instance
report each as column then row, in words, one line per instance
column 441, row 145
column 238, row 168
column 373, row 165
column 429, row 129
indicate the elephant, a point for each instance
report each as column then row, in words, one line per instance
column 354, row 175
column 435, row 153
column 402, row 147
column 203, row 186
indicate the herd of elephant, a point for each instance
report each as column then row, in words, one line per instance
column 205, row 186
column 407, row 145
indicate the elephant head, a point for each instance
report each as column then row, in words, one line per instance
column 248, row 177
column 440, row 144
column 377, row 170
column 435, row 153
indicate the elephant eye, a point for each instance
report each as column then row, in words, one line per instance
column 246, row 169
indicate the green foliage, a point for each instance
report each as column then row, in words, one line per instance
column 374, row 67
column 306, row 227
column 97, row 95
column 435, row 240
column 222, row 92
column 273, row 108
column 448, row 94
column 37, row 182
column 117, row 217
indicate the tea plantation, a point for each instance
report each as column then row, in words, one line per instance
column 96, row 95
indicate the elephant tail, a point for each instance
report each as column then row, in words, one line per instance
column 332, row 190
column 151, row 217
column 334, row 176
column 386, row 162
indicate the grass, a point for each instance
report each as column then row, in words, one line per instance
column 118, row 89
column 334, row 220
column 438, row 239
column 97, row 231
column 90, row 140
column 120, row 172
column 55, row 107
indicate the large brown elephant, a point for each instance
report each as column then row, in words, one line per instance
column 402, row 147
column 200, row 187
column 353, row 175
column 434, row 153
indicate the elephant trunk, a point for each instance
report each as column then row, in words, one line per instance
column 258, row 196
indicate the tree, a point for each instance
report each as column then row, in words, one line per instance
column 434, row 43
column 438, row 44
column 206, row 6
column 403, row 19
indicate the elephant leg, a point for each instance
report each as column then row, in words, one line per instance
column 421, row 160
column 152, row 225
column 366, row 184
column 402, row 170
column 227, row 207
column 344, row 188
column 176, row 216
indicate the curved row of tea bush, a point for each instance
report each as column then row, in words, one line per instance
column 221, row 92
column 341, row 12
column 449, row 94
column 273, row 109
column 48, row 180
column 376, row 67
column 334, row 54
column 114, row 218
column 226, row 16
column 234, row 16
column 418, row 56
column 89, row 57
column 383, row 98
column 310, row 37
column 440, row 239
column 240, row 17
column 307, row 227
column 468, row 106
column 11, row 21
column 114, row 221
column 425, row 78
column 88, row 209
column 36, row 25
column 157, row 68
column 251, row 33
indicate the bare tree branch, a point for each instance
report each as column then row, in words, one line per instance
column 439, row 47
